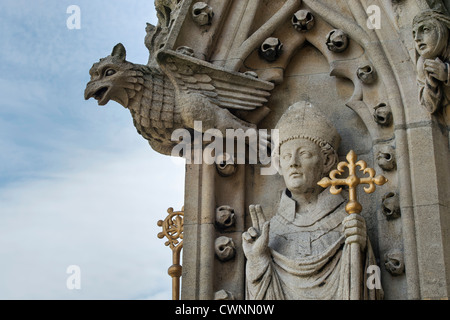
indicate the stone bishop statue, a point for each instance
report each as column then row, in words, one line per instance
column 303, row 251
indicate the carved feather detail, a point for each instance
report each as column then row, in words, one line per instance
column 224, row 88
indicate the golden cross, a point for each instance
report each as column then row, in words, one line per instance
column 352, row 181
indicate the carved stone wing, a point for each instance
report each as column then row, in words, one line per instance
column 224, row 88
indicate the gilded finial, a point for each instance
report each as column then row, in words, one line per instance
column 352, row 181
column 173, row 227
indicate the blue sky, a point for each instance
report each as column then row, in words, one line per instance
column 78, row 185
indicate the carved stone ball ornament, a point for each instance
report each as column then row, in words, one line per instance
column 188, row 51
column 303, row 20
column 337, row 41
column 225, row 217
column 383, row 115
column 367, row 74
column 391, row 205
column 202, row 14
column 386, row 158
column 271, row 49
column 394, row 262
column 225, row 249
column 224, row 167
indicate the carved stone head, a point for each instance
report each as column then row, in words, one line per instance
column 301, row 165
column 306, row 150
column 430, row 32
column 110, row 77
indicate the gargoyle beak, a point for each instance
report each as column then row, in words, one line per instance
column 96, row 91
column 89, row 91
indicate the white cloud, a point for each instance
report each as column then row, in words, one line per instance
column 102, row 217
column 77, row 184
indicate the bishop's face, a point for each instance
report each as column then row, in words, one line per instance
column 301, row 165
column 427, row 39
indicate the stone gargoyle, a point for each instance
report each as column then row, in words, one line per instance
column 181, row 90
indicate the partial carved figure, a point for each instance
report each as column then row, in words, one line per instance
column 185, row 91
column 156, row 38
column 223, row 295
column 303, row 251
column 431, row 38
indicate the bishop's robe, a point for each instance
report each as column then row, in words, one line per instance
column 308, row 256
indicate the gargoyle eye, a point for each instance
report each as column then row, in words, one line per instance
column 110, row 72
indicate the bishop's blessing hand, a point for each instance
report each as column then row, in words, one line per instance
column 256, row 240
